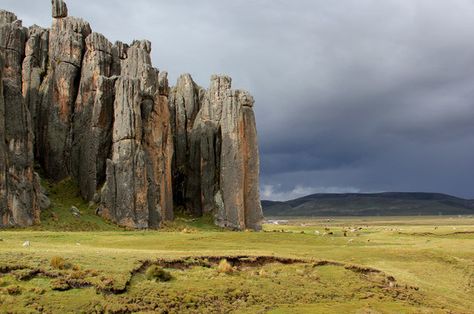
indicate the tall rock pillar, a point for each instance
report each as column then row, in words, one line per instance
column 138, row 192
column 91, row 133
column 19, row 185
column 60, row 88
column 216, row 163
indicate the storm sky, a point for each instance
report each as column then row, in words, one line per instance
column 351, row 96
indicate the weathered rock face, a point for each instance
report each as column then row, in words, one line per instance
column 216, row 152
column 239, row 163
column 103, row 115
column 20, row 191
column 34, row 70
column 138, row 189
column 60, row 88
column 93, row 116
column 185, row 105
column 59, row 8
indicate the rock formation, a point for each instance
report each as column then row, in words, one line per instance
column 20, row 192
column 100, row 113
column 216, row 155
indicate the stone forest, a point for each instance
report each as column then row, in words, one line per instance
column 74, row 105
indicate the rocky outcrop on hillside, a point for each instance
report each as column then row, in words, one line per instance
column 100, row 113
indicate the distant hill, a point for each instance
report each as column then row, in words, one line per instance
column 377, row 204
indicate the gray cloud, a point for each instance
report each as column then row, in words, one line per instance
column 355, row 95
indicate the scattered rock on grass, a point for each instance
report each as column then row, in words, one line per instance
column 75, row 211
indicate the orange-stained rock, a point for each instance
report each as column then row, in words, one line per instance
column 216, row 165
column 93, row 116
column 20, row 191
column 60, row 89
column 138, row 187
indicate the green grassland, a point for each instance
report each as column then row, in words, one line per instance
column 346, row 265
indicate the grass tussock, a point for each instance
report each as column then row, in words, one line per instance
column 155, row 272
column 14, row 290
column 57, row 262
column 225, row 267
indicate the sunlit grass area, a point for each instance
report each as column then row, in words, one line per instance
column 432, row 265
column 319, row 265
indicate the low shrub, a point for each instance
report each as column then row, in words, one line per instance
column 157, row 273
column 77, row 274
column 224, row 267
column 58, row 262
column 13, row 290
column 60, row 285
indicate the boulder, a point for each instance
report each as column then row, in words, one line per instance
column 59, row 8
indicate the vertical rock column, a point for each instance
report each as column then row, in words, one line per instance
column 239, row 169
column 4, row 211
column 124, row 194
column 185, row 104
column 93, row 116
column 60, row 87
column 138, row 191
column 19, row 186
column 210, row 133
column 35, row 66
column 216, row 163
column 253, row 206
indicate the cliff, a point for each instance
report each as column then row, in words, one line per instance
column 82, row 107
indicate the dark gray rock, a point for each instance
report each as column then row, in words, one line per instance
column 59, row 8
column 60, row 88
column 7, row 17
column 216, row 164
column 12, row 46
column 185, row 105
column 34, row 70
column 137, row 192
column 239, row 164
column 93, row 116
column 19, row 189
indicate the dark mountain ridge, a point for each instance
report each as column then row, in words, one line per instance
column 371, row 204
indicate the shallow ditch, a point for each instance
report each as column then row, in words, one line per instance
column 63, row 280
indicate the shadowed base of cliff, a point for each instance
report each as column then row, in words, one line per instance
column 69, row 212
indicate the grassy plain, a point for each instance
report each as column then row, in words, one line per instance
column 380, row 265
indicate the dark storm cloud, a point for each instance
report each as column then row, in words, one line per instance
column 354, row 95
